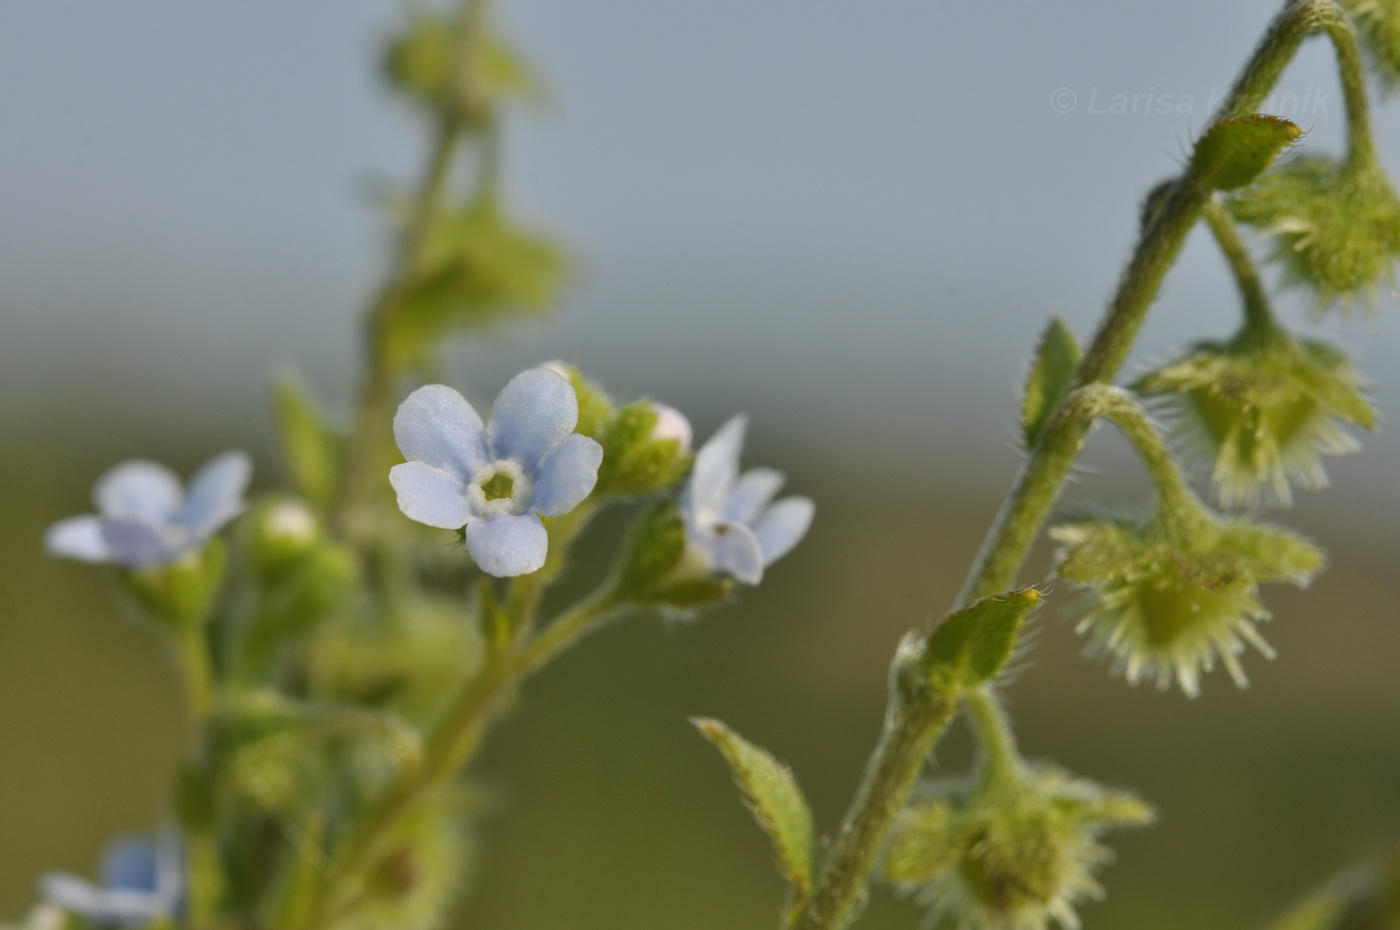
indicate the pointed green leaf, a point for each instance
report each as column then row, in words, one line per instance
column 310, row 447
column 1055, row 362
column 971, row 645
column 1234, row 152
column 776, row 800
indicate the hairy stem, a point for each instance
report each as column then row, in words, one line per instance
column 912, row 731
column 1258, row 313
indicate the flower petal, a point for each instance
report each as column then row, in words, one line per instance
column 140, row 489
column 508, row 546
column 71, row 893
column 752, row 492
column 215, row 493
column 532, row 415
column 567, row 475
column 716, row 467
column 783, row 527
column 131, row 862
column 671, row 424
column 733, row 550
column 78, row 538
column 430, row 495
column 437, row 426
column 138, row 544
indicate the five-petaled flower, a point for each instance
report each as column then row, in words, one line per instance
column 496, row 479
column 730, row 519
column 145, row 518
column 142, row 882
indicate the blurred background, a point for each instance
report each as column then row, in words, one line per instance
column 850, row 220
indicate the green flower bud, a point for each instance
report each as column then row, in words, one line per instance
column 430, row 63
column 1171, row 593
column 646, row 448
column 1012, row 852
column 1263, row 409
column 1336, row 226
column 284, row 531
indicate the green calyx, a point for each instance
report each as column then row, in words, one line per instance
column 1263, row 409
column 1172, row 593
column 1378, row 22
column 1014, row 852
column 466, row 74
column 1336, row 226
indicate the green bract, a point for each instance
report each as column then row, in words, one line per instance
column 1171, row 593
column 1263, row 410
column 1336, row 226
column 1008, row 853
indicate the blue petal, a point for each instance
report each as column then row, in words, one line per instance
column 138, row 489
column 436, row 425
column 783, row 527
column 567, row 475
column 131, row 862
column 71, row 893
column 752, row 492
column 78, row 538
column 532, row 415
column 716, row 467
column 216, row 493
column 430, row 495
column 733, row 550
column 508, row 546
column 138, row 544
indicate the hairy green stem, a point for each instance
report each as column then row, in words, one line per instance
column 1258, row 313
column 912, row 730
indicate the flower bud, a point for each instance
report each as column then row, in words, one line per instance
column 284, row 531
column 646, row 448
column 1010, row 852
column 1336, row 226
column 1263, row 409
column 1173, row 592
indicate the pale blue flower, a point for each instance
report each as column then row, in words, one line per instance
column 141, row 882
column 495, row 479
column 730, row 518
column 144, row 517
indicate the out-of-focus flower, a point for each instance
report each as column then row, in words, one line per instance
column 1011, row 853
column 1336, row 227
column 1170, row 595
column 731, row 521
column 145, row 518
column 141, row 882
column 1263, row 409
column 495, row 479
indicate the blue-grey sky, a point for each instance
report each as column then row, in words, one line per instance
column 849, row 219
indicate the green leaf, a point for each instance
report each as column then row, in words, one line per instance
column 971, row 645
column 310, row 447
column 1053, row 372
column 776, row 801
column 1235, row 151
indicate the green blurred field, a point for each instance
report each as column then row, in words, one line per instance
column 608, row 811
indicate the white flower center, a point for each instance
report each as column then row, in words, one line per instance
column 500, row 489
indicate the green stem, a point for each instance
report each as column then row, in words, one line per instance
column 1361, row 146
column 912, row 730
column 1258, row 314
column 995, row 740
